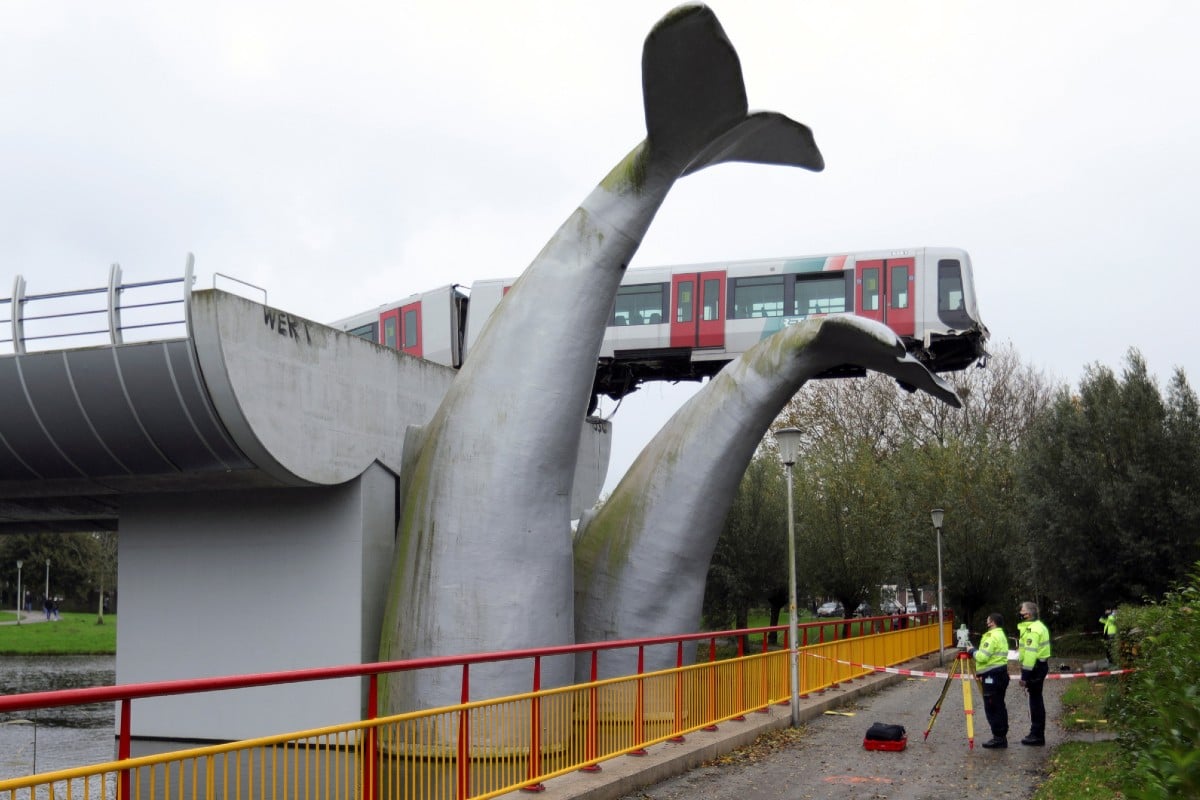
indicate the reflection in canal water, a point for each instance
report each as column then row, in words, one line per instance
column 55, row 738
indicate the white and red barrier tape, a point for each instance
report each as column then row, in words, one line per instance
column 925, row 674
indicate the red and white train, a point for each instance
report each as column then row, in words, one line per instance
column 686, row 322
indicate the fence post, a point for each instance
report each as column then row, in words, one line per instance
column 639, row 705
column 678, row 702
column 535, row 731
column 464, row 737
column 712, row 684
column 593, row 722
column 369, row 755
column 123, row 746
column 740, row 677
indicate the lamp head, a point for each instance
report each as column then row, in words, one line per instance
column 788, row 440
column 936, row 516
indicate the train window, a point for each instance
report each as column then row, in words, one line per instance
column 756, row 297
column 950, row 287
column 712, row 299
column 389, row 331
column 683, row 303
column 952, row 299
column 641, row 304
column 870, row 289
column 820, row 295
column 410, row 328
column 899, row 287
column 370, row 332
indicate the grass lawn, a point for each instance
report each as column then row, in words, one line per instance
column 74, row 634
column 1083, row 769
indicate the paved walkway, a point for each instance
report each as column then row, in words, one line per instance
column 825, row 759
column 27, row 617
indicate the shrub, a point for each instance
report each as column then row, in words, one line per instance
column 1158, row 711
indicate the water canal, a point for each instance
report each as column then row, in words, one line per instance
column 55, row 738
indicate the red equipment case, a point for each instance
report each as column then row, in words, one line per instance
column 880, row 744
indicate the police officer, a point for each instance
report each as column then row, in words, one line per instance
column 1034, row 638
column 1108, row 625
column 991, row 667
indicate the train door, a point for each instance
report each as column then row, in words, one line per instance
column 698, row 309
column 900, row 290
column 389, row 328
column 885, row 292
column 410, row 329
column 401, row 328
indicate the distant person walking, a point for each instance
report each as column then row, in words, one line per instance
column 1034, row 640
column 991, row 667
column 1108, row 626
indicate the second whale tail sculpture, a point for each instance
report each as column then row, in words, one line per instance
column 484, row 551
column 642, row 559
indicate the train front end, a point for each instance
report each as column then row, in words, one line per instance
column 953, row 336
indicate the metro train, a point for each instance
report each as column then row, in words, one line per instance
column 685, row 322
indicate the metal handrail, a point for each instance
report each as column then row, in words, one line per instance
column 16, row 325
column 135, row 691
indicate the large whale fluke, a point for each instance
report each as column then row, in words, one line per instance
column 641, row 560
column 484, row 554
column 687, row 50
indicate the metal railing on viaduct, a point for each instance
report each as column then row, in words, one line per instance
column 478, row 748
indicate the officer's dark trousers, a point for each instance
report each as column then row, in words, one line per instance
column 994, row 683
column 1037, row 707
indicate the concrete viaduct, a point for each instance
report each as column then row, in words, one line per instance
column 251, row 465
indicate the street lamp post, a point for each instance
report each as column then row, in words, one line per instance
column 789, row 447
column 936, row 515
column 20, row 598
column 47, row 595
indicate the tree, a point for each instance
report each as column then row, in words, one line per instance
column 1111, row 473
column 103, row 569
column 910, row 453
column 999, row 404
column 877, row 458
column 1183, row 445
column 79, row 562
column 844, row 513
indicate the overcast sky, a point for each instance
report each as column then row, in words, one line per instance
column 341, row 155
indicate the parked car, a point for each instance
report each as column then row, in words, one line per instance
column 911, row 608
column 831, row 609
column 889, row 607
column 863, row 610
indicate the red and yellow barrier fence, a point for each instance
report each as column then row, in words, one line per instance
column 473, row 750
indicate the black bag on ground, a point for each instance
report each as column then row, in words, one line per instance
column 882, row 732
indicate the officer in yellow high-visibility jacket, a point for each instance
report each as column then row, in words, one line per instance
column 991, row 667
column 1108, row 626
column 1034, row 640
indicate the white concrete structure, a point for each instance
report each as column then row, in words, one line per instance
column 252, row 468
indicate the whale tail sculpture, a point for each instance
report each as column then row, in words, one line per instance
column 688, row 51
column 484, row 552
column 641, row 560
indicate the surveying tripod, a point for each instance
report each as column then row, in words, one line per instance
column 964, row 667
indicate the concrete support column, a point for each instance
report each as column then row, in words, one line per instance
column 253, row 581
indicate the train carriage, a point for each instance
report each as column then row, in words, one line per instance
column 686, row 322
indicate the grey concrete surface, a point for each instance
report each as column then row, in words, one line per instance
column 825, row 759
